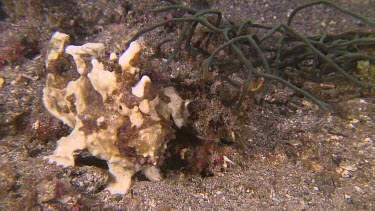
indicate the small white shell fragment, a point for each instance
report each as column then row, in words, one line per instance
column 226, row 159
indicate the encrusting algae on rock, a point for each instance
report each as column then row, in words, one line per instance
column 113, row 115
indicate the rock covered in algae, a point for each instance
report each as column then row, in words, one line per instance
column 115, row 116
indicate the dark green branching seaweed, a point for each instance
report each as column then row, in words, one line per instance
column 338, row 7
column 292, row 47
